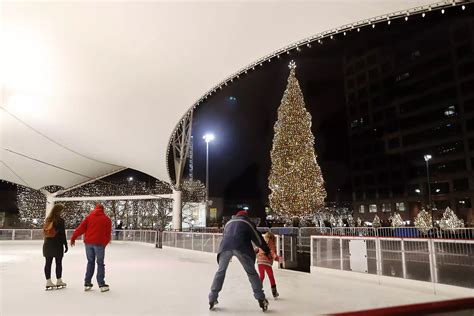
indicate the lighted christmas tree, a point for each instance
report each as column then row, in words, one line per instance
column 423, row 221
column 376, row 222
column 396, row 220
column 450, row 221
column 295, row 180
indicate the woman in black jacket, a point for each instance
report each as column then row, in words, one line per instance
column 54, row 240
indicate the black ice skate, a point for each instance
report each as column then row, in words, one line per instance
column 212, row 304
column 104, row 288
column 263, row 304
column 87, row 286
column 274, row 291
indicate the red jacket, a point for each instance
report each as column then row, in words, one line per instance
column 96, row 227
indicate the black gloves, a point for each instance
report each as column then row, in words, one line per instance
column 65, row 248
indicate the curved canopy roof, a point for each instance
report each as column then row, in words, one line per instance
column 91, row 87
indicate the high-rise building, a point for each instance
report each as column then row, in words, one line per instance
column 411, row 93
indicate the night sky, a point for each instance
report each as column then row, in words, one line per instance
column 240, row 154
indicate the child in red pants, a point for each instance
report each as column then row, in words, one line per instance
column 265, row 263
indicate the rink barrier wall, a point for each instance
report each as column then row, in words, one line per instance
column 304, row 234
column 146, row 236
column 437, row 261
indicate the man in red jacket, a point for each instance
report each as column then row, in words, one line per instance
column 97, row 230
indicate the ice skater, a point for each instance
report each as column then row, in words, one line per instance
column 265, row 261
column 54, row 246
column 97, row 230
column 239, row 233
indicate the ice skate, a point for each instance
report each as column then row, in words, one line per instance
column 212, row 304
column 263, row 304
column 50, row 285
column 87, row 286
column 275, row 292
column 104, row 288
column 60, row 284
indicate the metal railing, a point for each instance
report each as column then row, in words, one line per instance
column 207, row 242
column 446, row 261
column 147, row 236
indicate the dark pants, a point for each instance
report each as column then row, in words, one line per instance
column 249, row 266
column 49, row 263
column 93, row 253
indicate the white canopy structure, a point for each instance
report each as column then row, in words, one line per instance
column 92, row 87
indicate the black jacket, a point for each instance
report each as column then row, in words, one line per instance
column 54, row 247
column 239, row 233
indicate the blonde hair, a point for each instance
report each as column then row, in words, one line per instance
column 55, row 213
column 269, row 236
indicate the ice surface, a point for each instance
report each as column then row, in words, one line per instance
column 148, row 281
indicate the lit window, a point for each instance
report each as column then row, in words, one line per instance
column 402, row 76
column 400, row 206
column 361, row 209
column 450, row 111
column 386, row 207
column 373, row 208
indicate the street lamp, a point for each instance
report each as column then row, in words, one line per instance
column 427, row 159
column 207, row 138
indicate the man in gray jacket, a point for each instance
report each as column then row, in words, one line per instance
column 239, row 234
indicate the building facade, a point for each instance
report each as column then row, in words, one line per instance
column 408, row 96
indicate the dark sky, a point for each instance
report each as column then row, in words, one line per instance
column 243, row 128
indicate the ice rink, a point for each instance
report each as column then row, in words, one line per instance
column 148, row 281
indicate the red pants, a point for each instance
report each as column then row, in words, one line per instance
column 262, row 268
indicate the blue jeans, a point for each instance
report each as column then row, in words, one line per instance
column 249, row 266
column 94, row 252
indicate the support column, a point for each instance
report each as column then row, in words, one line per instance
column 49, row 203
column 177, row 220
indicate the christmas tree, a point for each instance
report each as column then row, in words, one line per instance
column 295, row 180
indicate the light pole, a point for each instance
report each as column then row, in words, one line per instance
column 207, row 138
column 427, row 159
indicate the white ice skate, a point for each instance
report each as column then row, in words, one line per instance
column 104, row 288
column 50, row 285
column 60, row 284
